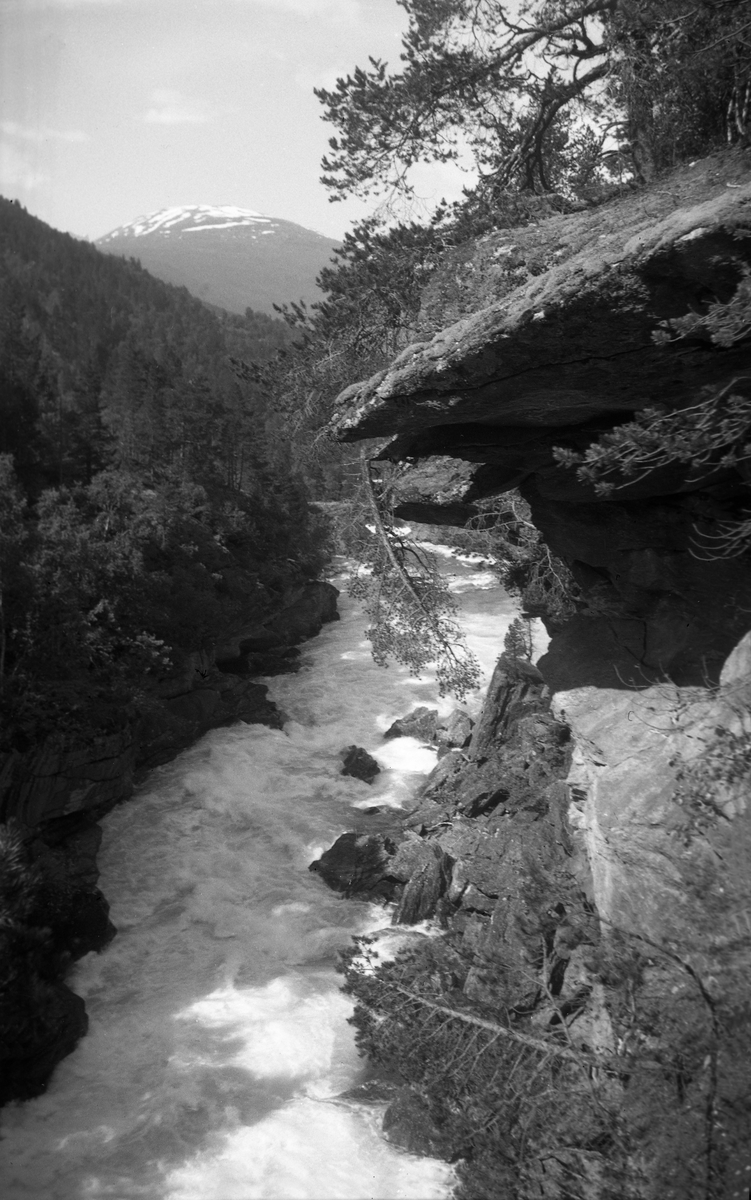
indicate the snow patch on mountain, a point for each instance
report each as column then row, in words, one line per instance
column 189, row 218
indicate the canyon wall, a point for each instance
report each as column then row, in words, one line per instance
column 588, row 853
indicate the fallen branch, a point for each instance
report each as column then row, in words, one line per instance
column 524, row 1039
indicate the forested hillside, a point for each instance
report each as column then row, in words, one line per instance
column 143, row 507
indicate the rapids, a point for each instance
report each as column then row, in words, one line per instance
column 218, row 1042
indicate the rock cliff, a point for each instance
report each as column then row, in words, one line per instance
column 588, row 856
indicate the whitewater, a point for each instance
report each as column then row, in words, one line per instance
column 218, row 1046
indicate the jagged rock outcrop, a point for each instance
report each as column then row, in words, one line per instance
column 577, row 881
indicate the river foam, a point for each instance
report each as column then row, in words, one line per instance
column 219, row 1042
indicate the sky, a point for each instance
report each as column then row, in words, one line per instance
column 111, row 109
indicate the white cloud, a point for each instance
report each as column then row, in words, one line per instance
column 18, row 170
column 41, row 133
column 170, row 107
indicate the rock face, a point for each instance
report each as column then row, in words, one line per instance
column 575, row 881
column 55, row 780
column 667, row 858
column 587, row 856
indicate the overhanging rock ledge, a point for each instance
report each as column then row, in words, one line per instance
column 548, row 342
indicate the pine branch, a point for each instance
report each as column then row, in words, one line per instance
column 580, row 1057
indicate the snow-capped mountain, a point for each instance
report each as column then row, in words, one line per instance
column 234, row 257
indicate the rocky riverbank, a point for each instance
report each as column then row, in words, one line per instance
column 579, row 1026
column 52, row 796
column 578, row 1029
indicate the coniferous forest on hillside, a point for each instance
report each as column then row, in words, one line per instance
column 144, row 507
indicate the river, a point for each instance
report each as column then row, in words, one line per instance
column 218, row 1040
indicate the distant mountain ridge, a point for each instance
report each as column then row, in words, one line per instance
column 232, row 257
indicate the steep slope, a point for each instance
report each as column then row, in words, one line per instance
column 579, row 1029
column 232, row 257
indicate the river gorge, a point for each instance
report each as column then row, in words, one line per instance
column 218, row 1042
column 572, row 1017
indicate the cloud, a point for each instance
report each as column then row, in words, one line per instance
column 18, row 170
column 170, row 107
column 41, row 133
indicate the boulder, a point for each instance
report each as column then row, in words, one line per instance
column 455, row 731
column 421, row 723
column 359, row 865
column 428, row 881
column 359, row 764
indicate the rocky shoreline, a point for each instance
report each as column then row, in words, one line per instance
column 621, row 984
column 52, row 797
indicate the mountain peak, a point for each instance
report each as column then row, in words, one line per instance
column 188, row 218
column 232, row 257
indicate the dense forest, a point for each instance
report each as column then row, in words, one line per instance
column 143, row 506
